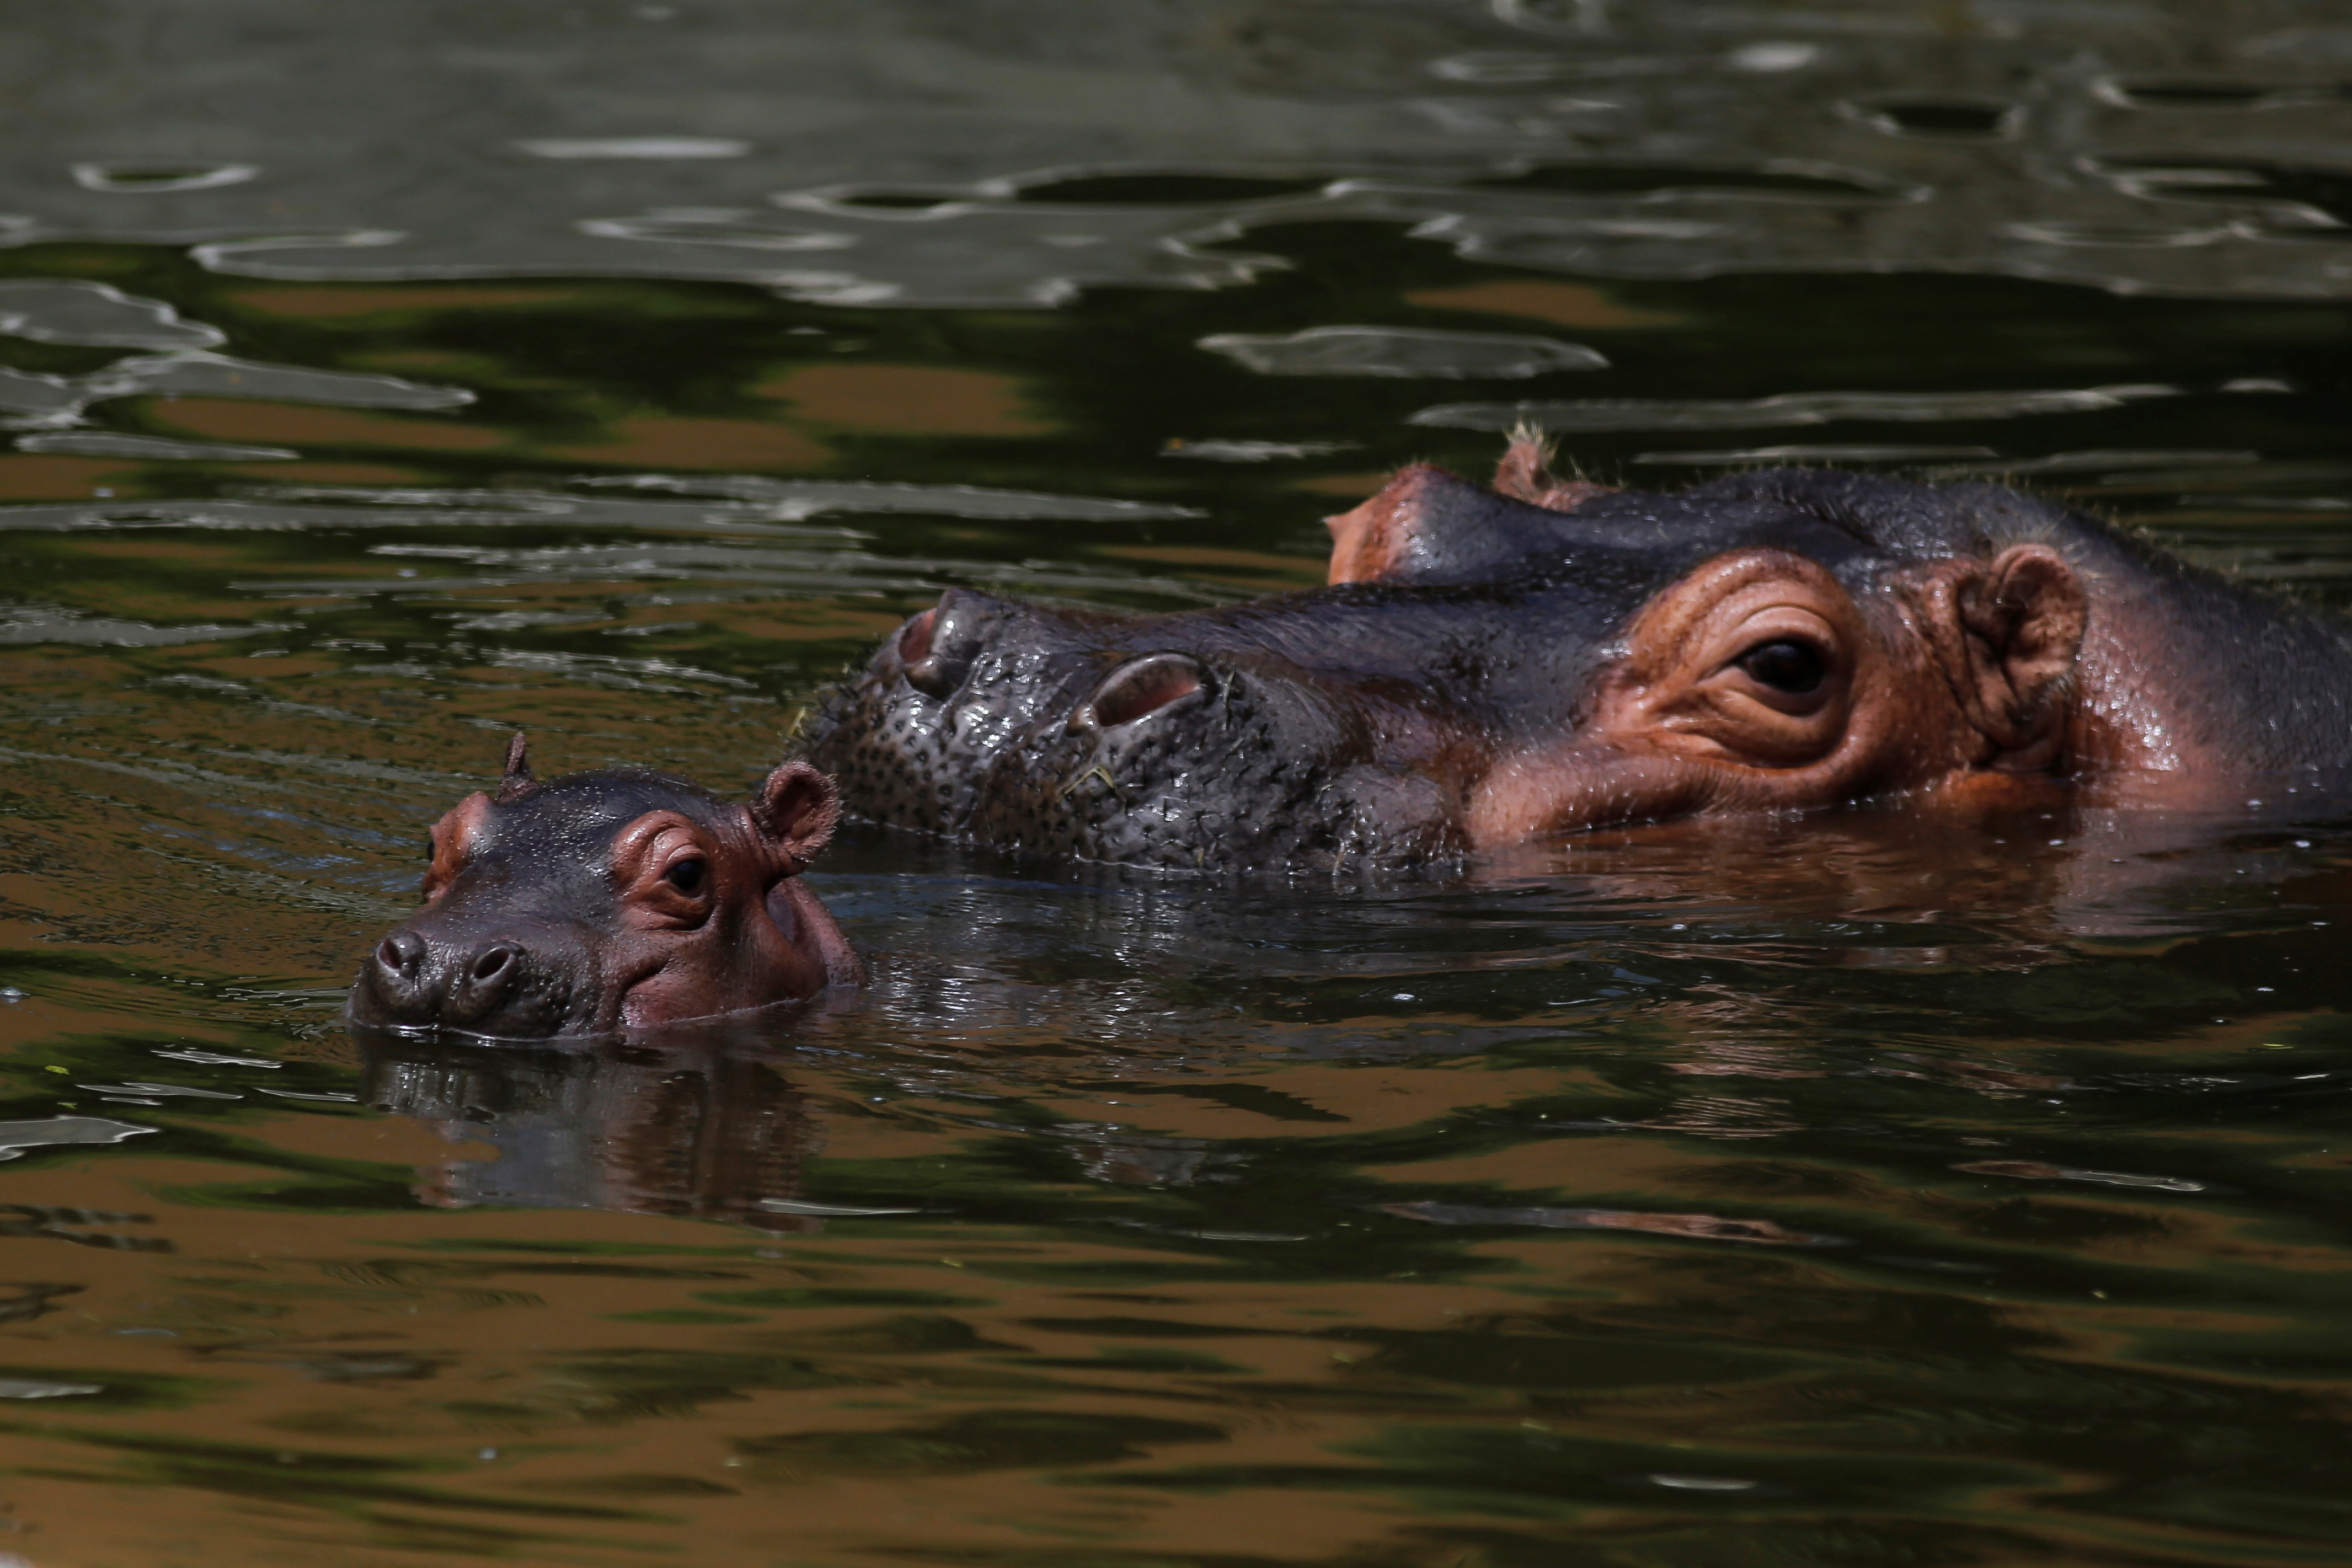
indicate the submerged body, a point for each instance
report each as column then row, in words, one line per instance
column 1487, row 666
column 609, row 901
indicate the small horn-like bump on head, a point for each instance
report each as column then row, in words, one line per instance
column 517, row 782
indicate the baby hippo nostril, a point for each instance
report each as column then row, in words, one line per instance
column 1139, row 689
column 402, row 954
column 491, row 964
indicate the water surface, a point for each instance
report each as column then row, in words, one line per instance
column 1851, row 1190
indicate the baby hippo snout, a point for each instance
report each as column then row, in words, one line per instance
column 497, row 987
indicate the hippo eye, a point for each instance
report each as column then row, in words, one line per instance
column 687, row 875
column 1785, row 665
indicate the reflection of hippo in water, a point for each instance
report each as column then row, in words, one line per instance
column 612, row 900
column 1487, row 666
column 701, row 1123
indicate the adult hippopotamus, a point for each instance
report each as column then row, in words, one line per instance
column 612, row 900
column 1487, row 666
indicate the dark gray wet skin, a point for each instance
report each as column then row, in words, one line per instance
column 1018, row 730
column 1354, row 722
column 1308, row 730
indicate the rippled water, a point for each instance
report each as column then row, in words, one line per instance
column 382, row 379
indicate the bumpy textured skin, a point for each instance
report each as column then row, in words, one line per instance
column 1260, row 772
column 1350, row 724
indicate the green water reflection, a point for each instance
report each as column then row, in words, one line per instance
column 1824, row 1192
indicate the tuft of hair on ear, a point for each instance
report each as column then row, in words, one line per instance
column 1528, row 433
column 516, row 781
column 1525, row 473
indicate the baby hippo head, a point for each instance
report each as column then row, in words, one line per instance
column 610, row 900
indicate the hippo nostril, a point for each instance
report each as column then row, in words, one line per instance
column 402, row 954
column 937, row 647
column 1139, row 689
column 915, row 638
column 492, row 961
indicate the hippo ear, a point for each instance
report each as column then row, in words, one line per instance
column 1525, row 474
column 1429, row 526
column 2021, row 626
column 518, row 781
column 795, row 812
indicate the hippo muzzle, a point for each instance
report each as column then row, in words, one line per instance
column 611, row 901
column 485, row 970
column 1176, row 746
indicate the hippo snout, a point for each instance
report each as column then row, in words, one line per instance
column 499, row 986
column 1184, row 744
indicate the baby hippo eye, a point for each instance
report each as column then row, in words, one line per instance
column 1786, row 666
column 687, row 875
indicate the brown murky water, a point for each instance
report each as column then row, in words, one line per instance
column 1829, row 1192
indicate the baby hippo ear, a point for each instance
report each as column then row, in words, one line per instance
column 518, row 781
column 795, row 812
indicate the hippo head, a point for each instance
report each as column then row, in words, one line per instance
column 1485, row 665
column 610, row 900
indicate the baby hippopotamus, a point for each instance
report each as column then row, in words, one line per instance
column 1489, row 665
column 612, row 900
